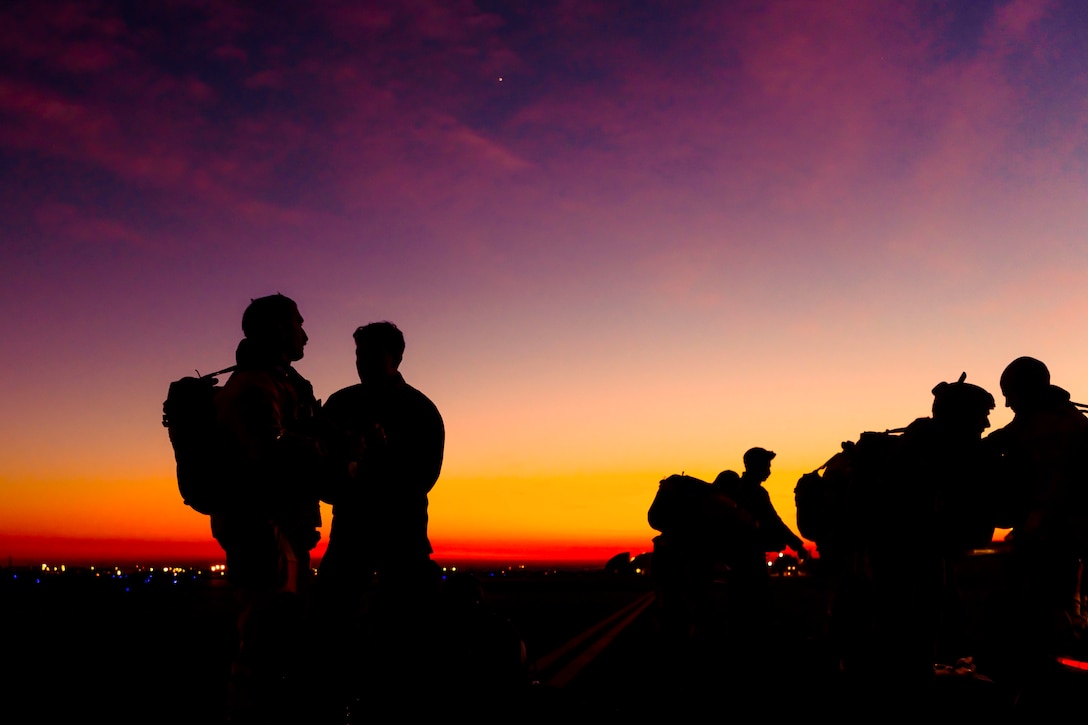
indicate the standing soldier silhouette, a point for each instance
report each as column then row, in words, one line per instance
column 265, row 413
column 387, row 441
column 1044, row 500
column 699, row 524
column 926, row 507
column 749, row 612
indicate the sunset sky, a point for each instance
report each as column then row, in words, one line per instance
column 623, row 240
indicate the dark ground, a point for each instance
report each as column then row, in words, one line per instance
column 150, row 649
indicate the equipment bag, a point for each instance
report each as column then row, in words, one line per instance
column 188, row 414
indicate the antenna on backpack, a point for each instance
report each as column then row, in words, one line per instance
column 231, row 369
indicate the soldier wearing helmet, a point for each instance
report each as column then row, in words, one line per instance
column 1025, row 383
column 1043, row 486
column 950, row 444
column 962, row 407
column 919, row 502
column 1042, row 452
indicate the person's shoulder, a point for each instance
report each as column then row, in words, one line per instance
column 344, row 395
column 1003, row 438
column 419, row 397
column 248, row 381
column 755, row 494
column 1074, row 413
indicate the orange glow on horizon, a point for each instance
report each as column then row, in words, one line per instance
column 34, row 550
column 30, row 550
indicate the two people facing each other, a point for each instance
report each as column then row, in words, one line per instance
column 918, row 502
column 374, row 451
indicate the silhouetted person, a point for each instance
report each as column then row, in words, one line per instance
column 1044, row 485
column 698, row 524
column 750, row 625
column 774, row 534
column 265, row 413
column 926, row 510
column 386, row 448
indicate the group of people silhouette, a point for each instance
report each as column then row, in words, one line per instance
column 904, row 509
column 899, row 513
column 379, row 612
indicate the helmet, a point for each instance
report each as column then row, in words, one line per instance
column 960, row 399
column 1025, row 375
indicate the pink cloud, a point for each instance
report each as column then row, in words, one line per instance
column 802, row 106
column 44, row 36
column 231, row 52
column 1016, row 19
column 67, row 222
column 266, row 79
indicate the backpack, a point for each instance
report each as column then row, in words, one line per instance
column 820, row 495
column 188, row 414
column 690, row 510
column 847, row 500
column 678, row 496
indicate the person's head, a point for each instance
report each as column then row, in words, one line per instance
column 379, row 349
column 757, row 464
column 1024, row 381
column 962, row 405
column 273, row 324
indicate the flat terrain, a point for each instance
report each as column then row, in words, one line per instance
column 149, row 648
column 153, row 649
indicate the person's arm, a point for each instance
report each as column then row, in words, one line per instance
column 416, row 454
column 776, row 529
column 427, row 465
column 404, row 454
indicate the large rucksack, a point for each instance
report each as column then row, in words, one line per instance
column 847, row 501
column 820, row 496
column 188, row 414
column 692, row 512
column 677, row 499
